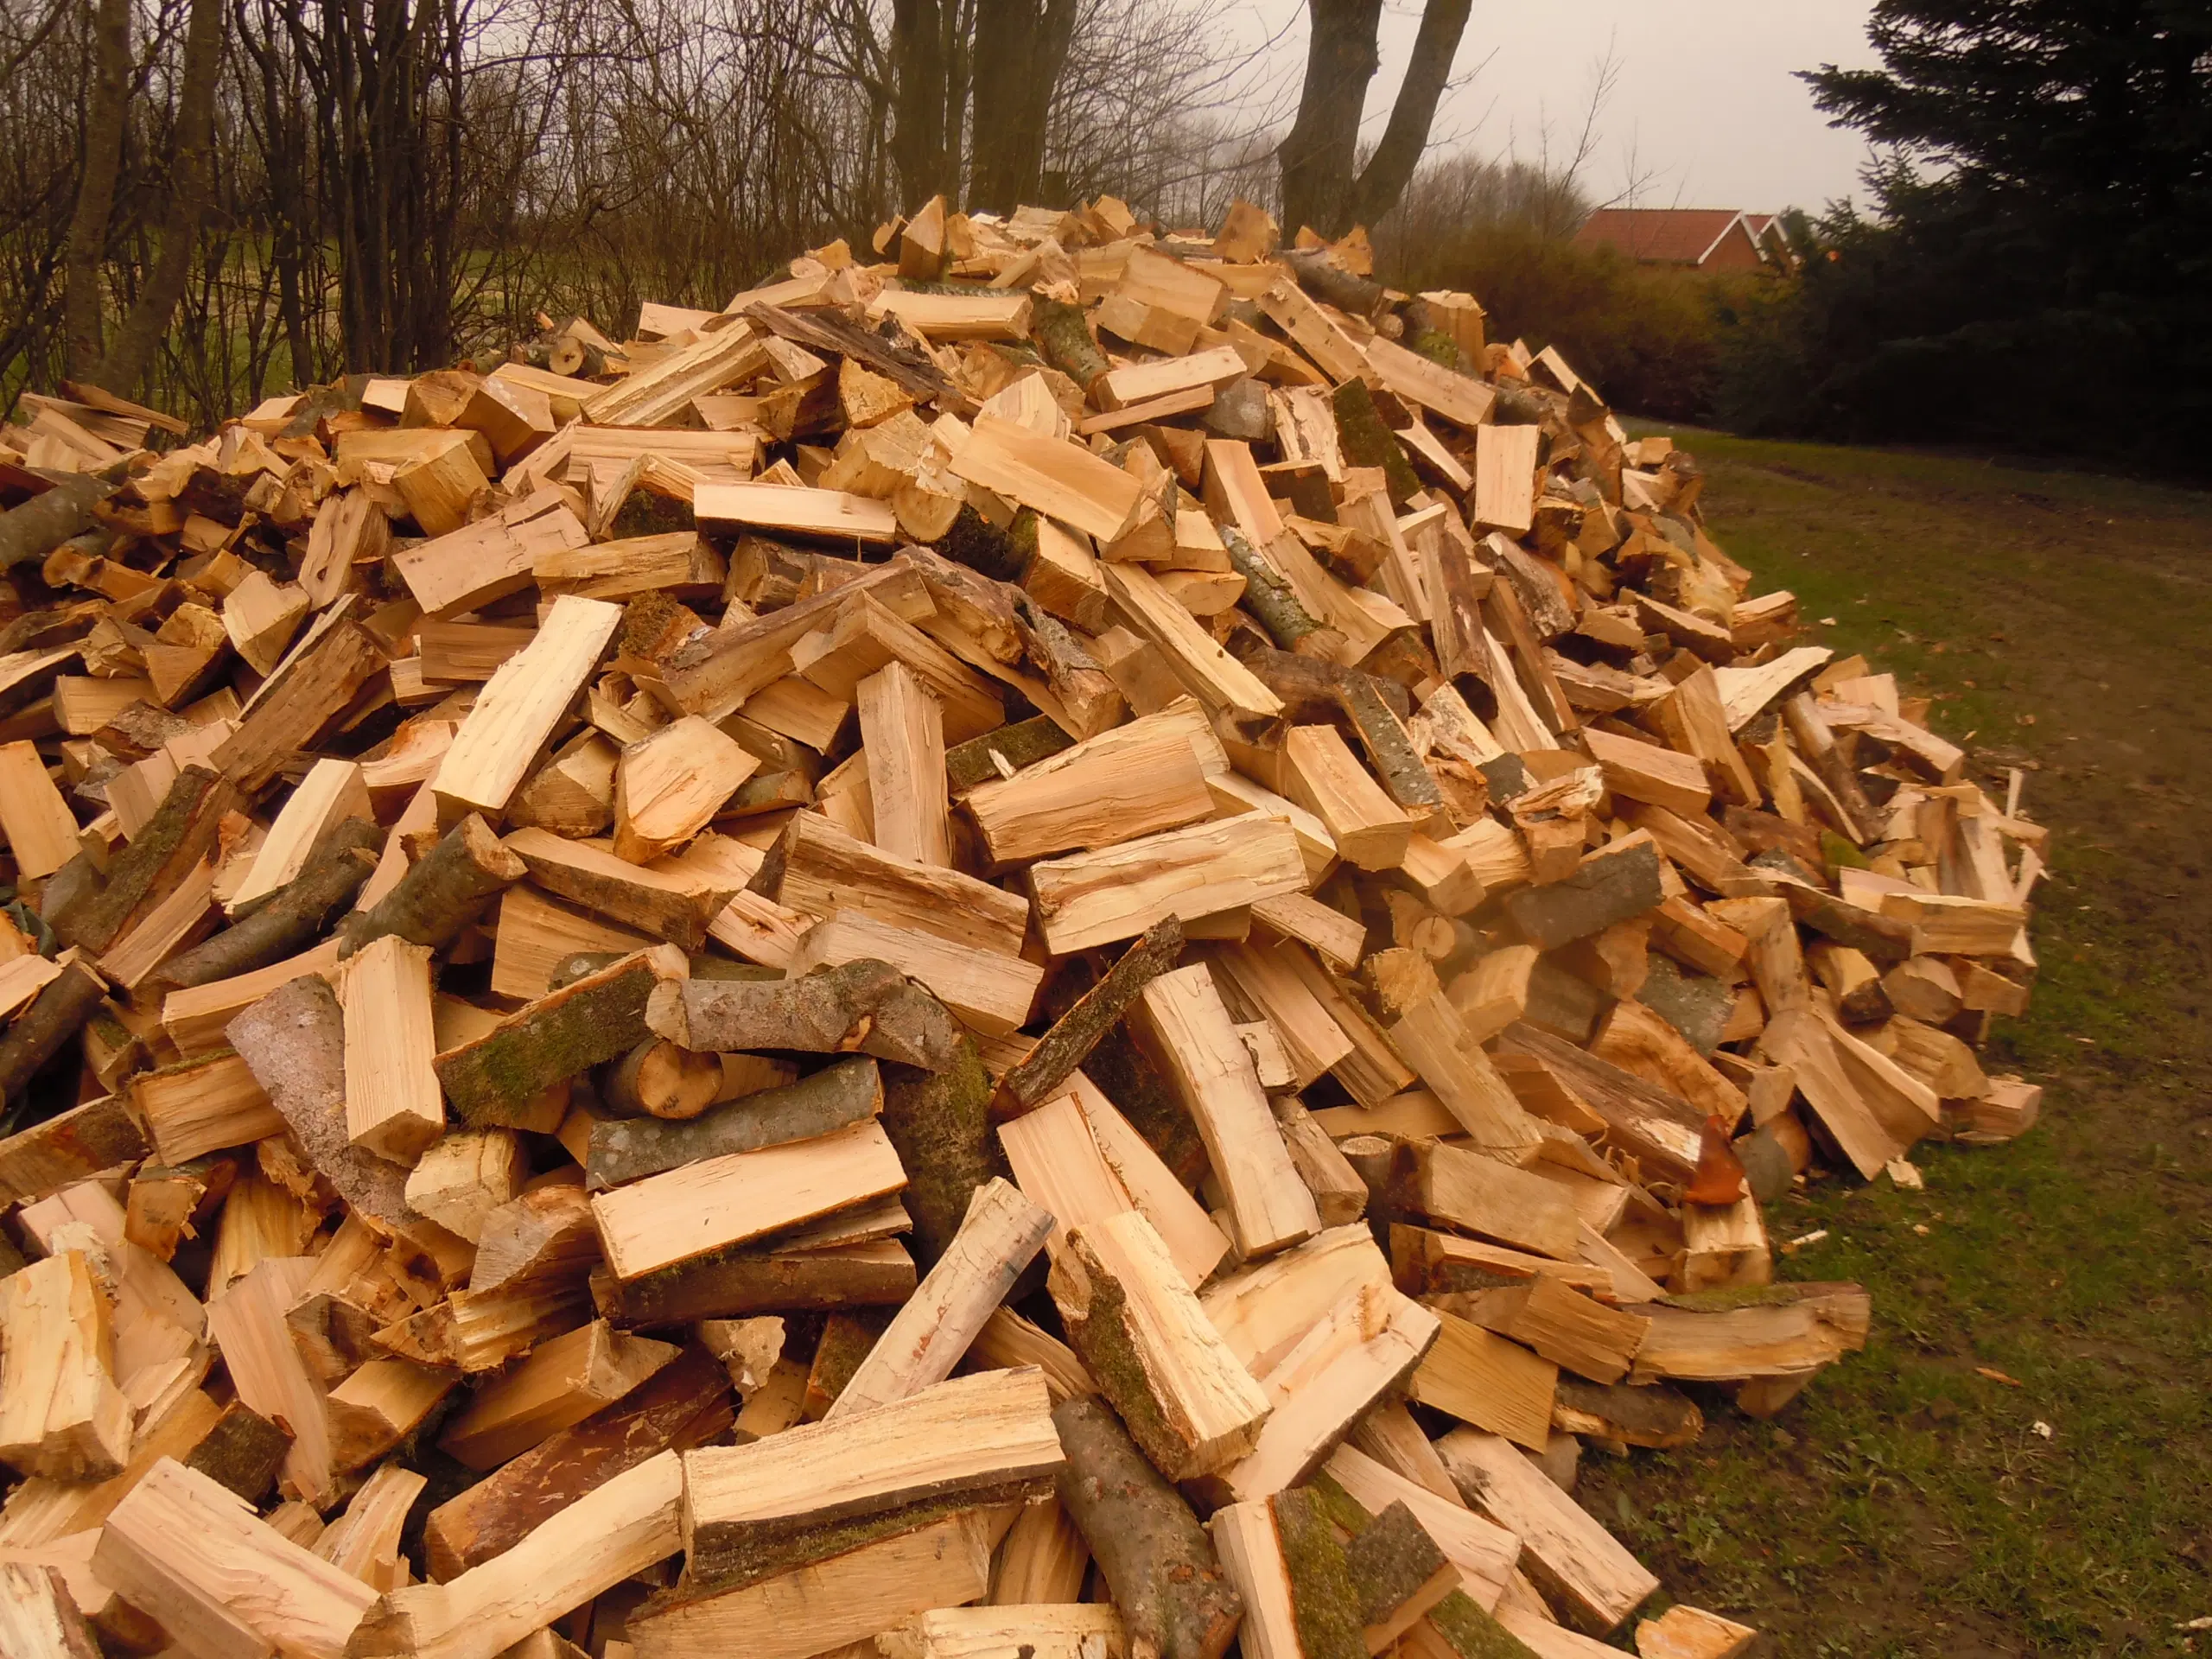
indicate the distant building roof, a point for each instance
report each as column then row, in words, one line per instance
column 1667, row 236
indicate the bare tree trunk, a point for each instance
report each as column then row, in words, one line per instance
column 917, row 116
column 1384, row 179
column 1021, row 46
column 106, row 114
column 140, row 337
column 1317, row 157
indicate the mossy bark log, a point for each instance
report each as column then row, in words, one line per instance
column 494, row 1080
column 445, row 889
column 1270, row 598
column 940, row 1124
column 1366, row 442
column 181, row 833
column 1064, row 332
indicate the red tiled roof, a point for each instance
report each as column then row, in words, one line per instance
column 1671, row 235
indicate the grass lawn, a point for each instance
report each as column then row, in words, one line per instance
column 1908, row 1503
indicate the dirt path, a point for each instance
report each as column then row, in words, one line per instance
column 1908, row 1504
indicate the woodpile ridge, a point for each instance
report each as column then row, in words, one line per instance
column 1062, row 940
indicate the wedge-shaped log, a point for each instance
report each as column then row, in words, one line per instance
column 756, row 1510
column 990, row 992
column 1188, row 1401
column 687, row 1212
column 516, row 713
column 666, row 903
column 1573, row 1560
column 1000, row 1236
column 1134, row 780
column 394, row 1107
column 623, row 1527
column 1482, row 1196
column 562, row 1383
column 62, row 1415
column 865, row 1005
column 222, row 1581
column 1489, row 1381
column 1117, row 893
column 1181, row 1018
column 818, row 870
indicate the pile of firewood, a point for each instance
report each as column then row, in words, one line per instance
column 1087, row 898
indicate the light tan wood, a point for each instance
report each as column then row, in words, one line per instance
column 62, row 1415
column 1321, row 774
column 218, row 1579
column 519, row 707
column 1134, row 780
column 902, row 730
column 1489, row 1381
column 990, row 992
column 332, row 791
column 562, row 1383
column 1506, row 464
column 246, row 1322
column 393, row 1105
column 792, row 510
column 1575, row 1560
column 624, row 1527
column 669, row 786
column 1251, row 1556
column 704, row 1205
column 999, row 1236
column 1117, row 893
column 1687, row 1632
column 1058, row 480
column 824, row 870
column 41, row 829
column 378, row 1405
column 839, row 1601
column 957, row 316
column 1447, row 1057
column 364, row 1541
column 460, row 1178
column 1181, row 1015
column 1190, row 1404
column 1219, row 681
column 1066, row 1630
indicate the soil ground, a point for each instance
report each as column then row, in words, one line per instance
column 1908, row 1504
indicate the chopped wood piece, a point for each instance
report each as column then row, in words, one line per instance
column 61, row 1414
column 685, row 1403
column 180, row 1541
column 562, row 1383
column 1089, row 899
column 443, row 891
column 1574, row 1559
column 833, row 1098
column 496, row 1078
column 1489, row 1381
column 668, row 786
column 672, row 906
column 624, row 1526
column 1192, row 1406
column 1687, row 1632
column 990, row 992
column 69, row 1146
column 1071, row 1631
column 393, row 1107
column 1183, row 1018
column 1040, row 1073
column 515, row 715
column 687, row 1212
column 39, row 1618
column 464, row 1176
column 1001, row 1234
column 756, row 1510
column 817, row 869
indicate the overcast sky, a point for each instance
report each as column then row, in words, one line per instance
column 1705, row 109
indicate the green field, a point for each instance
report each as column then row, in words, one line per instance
column 1907, row 1504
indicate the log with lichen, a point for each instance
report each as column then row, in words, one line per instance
column 940, row 1124
column 495, row 1079
column 445, row 890
column 1367, row 442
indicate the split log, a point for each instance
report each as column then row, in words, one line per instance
column 999, row 1236
column 291, row 919
column 62, row 1415
column 752, row 1510
column 1188, row 1401
column 1038, row 1075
